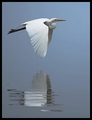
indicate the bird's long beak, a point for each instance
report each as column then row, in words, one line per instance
column 61, row 20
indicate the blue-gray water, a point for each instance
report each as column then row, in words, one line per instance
column 57, row 85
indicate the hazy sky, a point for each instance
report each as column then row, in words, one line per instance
column 70, row 41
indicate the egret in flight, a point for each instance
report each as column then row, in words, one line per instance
column 40, row 33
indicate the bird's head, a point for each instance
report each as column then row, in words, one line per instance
column 56, row 20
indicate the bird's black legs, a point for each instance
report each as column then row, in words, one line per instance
column 15, row 30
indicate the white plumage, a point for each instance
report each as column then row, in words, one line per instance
column 40, row 33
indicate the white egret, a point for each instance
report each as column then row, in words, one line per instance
column 40, row 33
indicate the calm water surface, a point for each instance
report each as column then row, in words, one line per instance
column 40, row 96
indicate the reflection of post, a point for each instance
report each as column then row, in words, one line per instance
column 40, row 92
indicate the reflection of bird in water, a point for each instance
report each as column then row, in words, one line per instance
column 40, row 92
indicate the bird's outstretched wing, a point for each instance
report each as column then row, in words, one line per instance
column 38, row 33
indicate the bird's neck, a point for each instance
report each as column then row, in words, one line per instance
column 50, row 24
